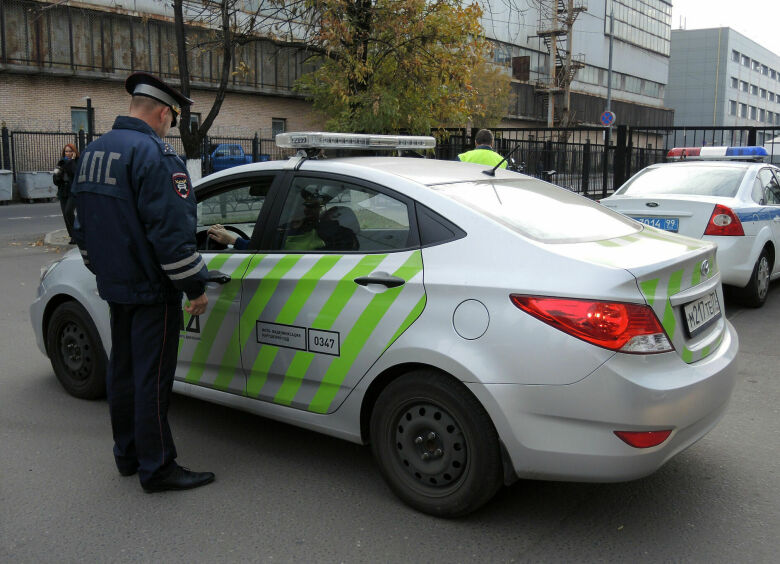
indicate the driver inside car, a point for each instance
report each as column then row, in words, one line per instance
column 300, row 233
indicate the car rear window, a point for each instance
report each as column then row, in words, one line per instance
column 696, row 180
column 539, row 210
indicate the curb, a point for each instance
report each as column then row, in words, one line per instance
column 58, row 238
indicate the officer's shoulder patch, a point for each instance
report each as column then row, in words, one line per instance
column 167, row 149
column 181, row 184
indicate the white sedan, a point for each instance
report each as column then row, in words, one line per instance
column 718, row 194
column 475, row 326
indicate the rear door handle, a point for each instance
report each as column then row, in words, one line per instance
column 219, row 277
column 384, row 280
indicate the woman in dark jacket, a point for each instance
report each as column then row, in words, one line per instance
column 63, row 176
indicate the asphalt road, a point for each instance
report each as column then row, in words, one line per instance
column 287, row 495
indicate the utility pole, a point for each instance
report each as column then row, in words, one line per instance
column 556, row 25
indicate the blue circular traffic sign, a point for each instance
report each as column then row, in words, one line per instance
column 607, row 118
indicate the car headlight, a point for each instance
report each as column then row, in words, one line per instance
column 47, row 269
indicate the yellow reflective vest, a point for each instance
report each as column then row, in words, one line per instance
column 482, row 156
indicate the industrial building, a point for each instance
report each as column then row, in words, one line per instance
column 718, row 77
column 58, row 58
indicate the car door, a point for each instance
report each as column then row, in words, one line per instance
column 209, row 353
column 342, row 279
column 772, row 199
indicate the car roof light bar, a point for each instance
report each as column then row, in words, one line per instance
column 322, row 140
column 717, row 153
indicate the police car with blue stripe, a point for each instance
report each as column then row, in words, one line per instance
column 726, row 195
column 473, row 325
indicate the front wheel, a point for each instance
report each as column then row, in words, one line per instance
column 435, row 444
column 76, row 352
column 754, row 294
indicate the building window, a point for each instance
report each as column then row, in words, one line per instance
column 754, row 90
column 743, row 86
column 732, row 107
column 735, row 56
column 771, row 96
column 762, row 93
column 753, row 113
column 764, row 69
column 743, row 112
column 770, row 117
column 772, row 74
column 734, row 82
column 745, row 61
column 756, row 66
column 78, row 119
column 761, row 115
column 278, row 125
column 646, row 24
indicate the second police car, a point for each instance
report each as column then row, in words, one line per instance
column 474, row 325
column 725, row 195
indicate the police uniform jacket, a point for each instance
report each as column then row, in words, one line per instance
column 136, row 217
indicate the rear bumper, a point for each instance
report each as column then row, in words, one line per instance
column 736, row 258
column 566, row 432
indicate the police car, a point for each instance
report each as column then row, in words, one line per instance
column 473, row 325
column 725, row 195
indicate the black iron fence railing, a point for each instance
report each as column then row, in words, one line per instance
column 588, row 160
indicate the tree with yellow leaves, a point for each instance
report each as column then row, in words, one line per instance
column 396, row 65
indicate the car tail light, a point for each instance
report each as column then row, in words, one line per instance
column 724, row 222
column 643, row 439
column 628, row 328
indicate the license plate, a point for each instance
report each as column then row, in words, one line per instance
column 702, row 313
column 665, row 223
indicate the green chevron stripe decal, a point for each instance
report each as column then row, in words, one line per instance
column 300, row 294
column 358, row 336
column 673, row 288
column 414, row 314
column 214, row 323
column 338, row 299
column 214, row 264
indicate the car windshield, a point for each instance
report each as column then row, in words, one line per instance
column 699, row 180
column 539, row 210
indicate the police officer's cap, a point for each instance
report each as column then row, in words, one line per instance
column 145, row 84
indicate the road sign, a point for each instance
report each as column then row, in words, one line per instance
column 607, row 118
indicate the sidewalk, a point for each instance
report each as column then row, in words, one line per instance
column 58, row 238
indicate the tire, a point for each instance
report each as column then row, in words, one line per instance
column 754, row 294
column 76, row 352
column 435, row 444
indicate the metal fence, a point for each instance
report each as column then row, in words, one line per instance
column 578, row 158
column 591, row 161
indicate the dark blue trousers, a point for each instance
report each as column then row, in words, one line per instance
column 144, row 346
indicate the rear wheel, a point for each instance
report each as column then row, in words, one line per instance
column 76, row 352
column 754, row 294
column 435, row 444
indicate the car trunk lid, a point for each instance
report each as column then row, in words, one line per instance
column 687, row 216
column 678, row 278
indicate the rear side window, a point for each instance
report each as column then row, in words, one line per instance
column 540, row 211
column 722, row 181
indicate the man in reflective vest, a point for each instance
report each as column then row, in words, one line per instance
column 483, row 153
column 135, row 226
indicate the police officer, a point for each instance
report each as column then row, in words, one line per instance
column 135, row 226
column 483, row 153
